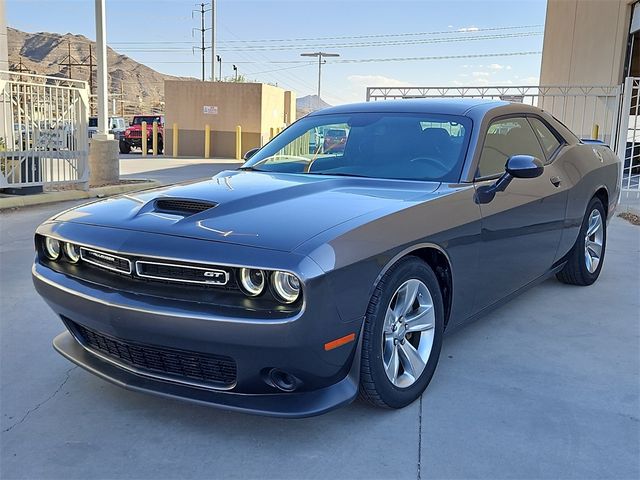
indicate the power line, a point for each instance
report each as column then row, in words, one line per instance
column 257, row 48
column 344, row 37
column 439, row 57
column 391, row 59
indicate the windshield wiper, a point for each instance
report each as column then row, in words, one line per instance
column 249, row 169
column 338, row 174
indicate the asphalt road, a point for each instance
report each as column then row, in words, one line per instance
column 545, row 387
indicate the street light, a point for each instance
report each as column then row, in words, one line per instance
column 219, row 58
column 235, row 69
column 320, row 56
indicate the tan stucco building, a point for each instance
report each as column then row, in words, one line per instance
column 585, row 42
column 259, row 109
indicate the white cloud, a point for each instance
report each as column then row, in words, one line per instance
column 375, row 81
column 529, row 80
column 468, row 29
column 480, row 74
column 496, row 66
column 357, row 87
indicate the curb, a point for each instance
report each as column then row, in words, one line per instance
column 19, row 201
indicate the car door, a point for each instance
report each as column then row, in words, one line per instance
column 521, row 226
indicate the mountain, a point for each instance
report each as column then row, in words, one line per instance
column 308, row 104
column 47, row 54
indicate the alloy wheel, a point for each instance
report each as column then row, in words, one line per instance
column 408, row 333
column 593, row 240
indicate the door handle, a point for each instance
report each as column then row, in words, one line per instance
column 556, row 181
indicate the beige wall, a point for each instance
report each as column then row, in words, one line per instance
column 255, row 107
column 585, row 42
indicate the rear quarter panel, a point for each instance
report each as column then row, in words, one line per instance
column 587, row 168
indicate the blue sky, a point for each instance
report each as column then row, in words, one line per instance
column 158, row 33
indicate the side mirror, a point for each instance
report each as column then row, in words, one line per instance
column 524, row 166
column 131, row 123
column 250, row 153
column 518, row 166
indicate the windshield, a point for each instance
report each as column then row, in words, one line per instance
column 379, row 145
column 149, row 119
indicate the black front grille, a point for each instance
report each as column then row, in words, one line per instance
column 106, row 260
column 182, row 273
column 217, row 370
column 181, row 206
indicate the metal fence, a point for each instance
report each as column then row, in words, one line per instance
column 581, row 108
column 43, row 127
column 629, row 136
column 607, row 113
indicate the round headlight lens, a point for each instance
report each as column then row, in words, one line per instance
column 252, row 281
column 286, row 286
column 72, row 252
column 52, row 248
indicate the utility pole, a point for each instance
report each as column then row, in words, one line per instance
column 320, row 56
column 202, row 31
column 101, row 44
column 219, row 58
column 20, row 67
column 213, row 39
column 69, row 62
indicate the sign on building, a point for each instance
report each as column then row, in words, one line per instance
column 210, row 109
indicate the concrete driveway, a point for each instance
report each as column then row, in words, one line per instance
column 546, row 387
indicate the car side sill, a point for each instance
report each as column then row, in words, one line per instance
column 486, row 310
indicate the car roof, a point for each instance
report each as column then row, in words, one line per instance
column 443, row 106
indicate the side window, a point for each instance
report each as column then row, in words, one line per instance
column 505, row 138
column 548, row 140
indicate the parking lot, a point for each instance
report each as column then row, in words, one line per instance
column 545, row 387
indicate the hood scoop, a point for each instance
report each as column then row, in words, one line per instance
column 181, row 206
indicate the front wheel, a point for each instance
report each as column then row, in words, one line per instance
column 402, row 335
column 587, row 255
column 124, row 147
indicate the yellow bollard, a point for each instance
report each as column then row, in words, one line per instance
column 238, row 143
column 595, row 131
column 143, row 131
column 207, row 140
column 154, row 139
column 175, row 139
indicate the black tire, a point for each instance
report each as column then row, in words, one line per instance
column 375, row 386
column 575, row 271
column 124, row 147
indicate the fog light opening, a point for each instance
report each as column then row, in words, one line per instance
column 282, row 380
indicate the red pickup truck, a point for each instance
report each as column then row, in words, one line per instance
column 133, row 135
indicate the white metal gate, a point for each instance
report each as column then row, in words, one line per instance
column 581, row 108
column 43, row 130
column 607, row 113
column 629, row 136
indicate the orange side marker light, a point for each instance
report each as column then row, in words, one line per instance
column 338, row 342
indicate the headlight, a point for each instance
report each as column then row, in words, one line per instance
column 72, row 252
column 252, row 281
column 286, row 286
column 52, row 248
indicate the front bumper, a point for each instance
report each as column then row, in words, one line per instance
column 290, row 405
column 293, row 344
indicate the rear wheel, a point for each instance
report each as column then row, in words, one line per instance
column 402, row 335
column 587, row 256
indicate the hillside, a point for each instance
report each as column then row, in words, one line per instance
column 308, row 104
column 47, row 53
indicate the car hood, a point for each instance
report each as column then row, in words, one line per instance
column 268, row 210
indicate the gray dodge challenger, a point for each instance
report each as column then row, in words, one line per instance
column 333, row 261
